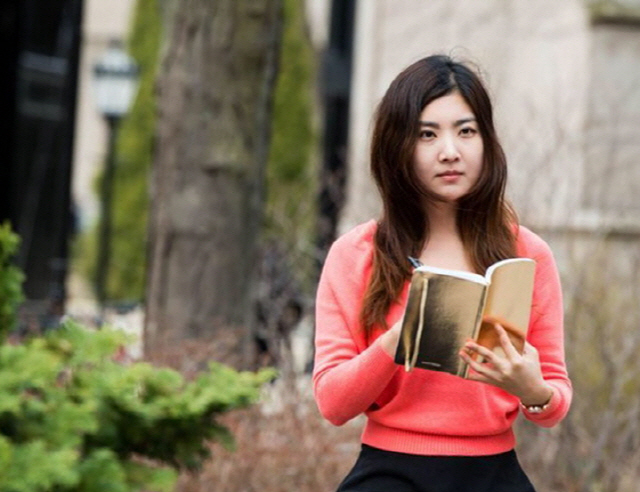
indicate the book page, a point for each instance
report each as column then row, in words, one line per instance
column 510, row 292
column 473, row 277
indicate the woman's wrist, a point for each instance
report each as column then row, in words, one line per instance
column 389, row 340
column 388, row 343
column 539, row 398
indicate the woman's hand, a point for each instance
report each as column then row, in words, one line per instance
column 517, row 373
column 389, row 340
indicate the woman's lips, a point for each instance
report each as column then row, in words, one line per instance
column 449, row 176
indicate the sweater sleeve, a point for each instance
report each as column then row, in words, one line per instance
column 546, row 333
column 348, row 375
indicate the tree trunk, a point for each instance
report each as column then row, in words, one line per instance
column 215, row 89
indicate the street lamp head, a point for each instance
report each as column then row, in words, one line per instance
column 115, row 81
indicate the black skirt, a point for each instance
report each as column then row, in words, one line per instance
column 377, row 470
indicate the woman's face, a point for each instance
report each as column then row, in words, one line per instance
column 448, row 154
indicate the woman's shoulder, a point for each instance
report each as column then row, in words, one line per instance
column 353, row 250
column 359, row 237
column 530, row 244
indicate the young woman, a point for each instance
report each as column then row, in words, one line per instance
column 441, row 173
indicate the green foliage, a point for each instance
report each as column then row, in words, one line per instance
column 291, row 171
column 11, row 279
column 73, row 419
column 134, row 152
column 292, row 139
column 616, row 10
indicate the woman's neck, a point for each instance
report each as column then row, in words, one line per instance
column 444, row 247
column 442, row 220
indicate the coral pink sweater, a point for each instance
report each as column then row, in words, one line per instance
column 424, row 412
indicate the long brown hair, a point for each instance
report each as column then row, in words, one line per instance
column 484, row 218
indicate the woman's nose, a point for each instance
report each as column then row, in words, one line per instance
column 449, row 150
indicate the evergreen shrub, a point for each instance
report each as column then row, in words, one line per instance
column 74, row 417
column 11, row 279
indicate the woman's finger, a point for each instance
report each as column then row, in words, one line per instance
column 529, row 349
column 481, row 372
column 509, row 349
column 483, row 353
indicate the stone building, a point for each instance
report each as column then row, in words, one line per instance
column 565, row 79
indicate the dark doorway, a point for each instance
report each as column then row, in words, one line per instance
column 40, row 43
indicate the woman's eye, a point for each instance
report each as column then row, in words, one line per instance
column 468, row 131
column 427, row 134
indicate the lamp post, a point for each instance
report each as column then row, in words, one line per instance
column 115, row 78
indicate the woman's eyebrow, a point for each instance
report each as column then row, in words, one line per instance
column 460, row 122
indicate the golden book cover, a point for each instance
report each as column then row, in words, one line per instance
column 447, row 307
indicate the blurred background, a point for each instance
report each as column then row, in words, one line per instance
column 178, row 168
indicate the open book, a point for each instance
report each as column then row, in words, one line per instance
column 447, row 307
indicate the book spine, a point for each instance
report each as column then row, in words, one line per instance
column 464, row 368
column 410, row 364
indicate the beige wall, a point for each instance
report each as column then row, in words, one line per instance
column 536, row 60
column 565, row 80
column 613, row 123
column 317, row 14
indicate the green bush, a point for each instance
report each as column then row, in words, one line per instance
column 134, row 154
column 292, row 173
column 73, row 419
column 11, row 279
